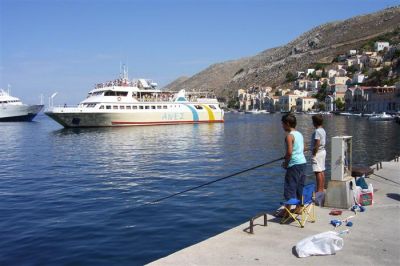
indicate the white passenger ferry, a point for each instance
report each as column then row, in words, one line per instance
column 137, row 103
column 13, row 110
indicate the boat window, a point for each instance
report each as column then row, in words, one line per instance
column 141, row 107
column 147, row 107
column 134, row 107
column 198, row 107
column 122, row 107
column 115, row 107
column 153, row 107
column 158, row 106
column 128, row 107
column 108, row 106
column 101, row 107
column 121, row 93
column 165, row 107
column 212, row 107
column 110, row 93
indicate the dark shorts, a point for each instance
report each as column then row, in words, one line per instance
column 294, row 181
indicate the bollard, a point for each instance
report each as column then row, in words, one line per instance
column 380, row 164
column 377, row 166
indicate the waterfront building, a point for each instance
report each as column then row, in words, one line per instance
column 348, row 99
column 272, row 103
column 288, row 102
column 373, row 99
column 330, row 101
column 304, row 104
column 382, row 99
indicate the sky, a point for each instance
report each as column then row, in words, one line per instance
column 67, row 46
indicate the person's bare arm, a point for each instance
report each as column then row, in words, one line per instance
column 289, row 149
column 316, row 146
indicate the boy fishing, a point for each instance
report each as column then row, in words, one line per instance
column 295, row 162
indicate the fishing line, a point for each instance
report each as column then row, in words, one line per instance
column 386, row 179
column 213, row 181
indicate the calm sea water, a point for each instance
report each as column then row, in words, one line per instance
column 76, row 196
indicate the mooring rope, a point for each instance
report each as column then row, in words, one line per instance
column 214, row 181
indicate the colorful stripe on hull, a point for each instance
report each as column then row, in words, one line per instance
column 165, row 122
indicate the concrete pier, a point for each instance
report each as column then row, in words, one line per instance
column 374, row 238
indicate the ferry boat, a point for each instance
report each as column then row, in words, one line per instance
column 138, row 103
column 13, row 110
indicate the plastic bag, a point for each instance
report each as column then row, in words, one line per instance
column 326, row 243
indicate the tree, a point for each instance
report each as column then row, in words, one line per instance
column 339, row 104
column 233, row 103
column 321, row 106
column 290, row 77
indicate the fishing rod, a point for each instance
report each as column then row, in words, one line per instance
column 214, row 181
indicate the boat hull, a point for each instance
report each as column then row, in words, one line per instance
column 182, row 115
column 19, row 113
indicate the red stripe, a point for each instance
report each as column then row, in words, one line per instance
column 166, row 122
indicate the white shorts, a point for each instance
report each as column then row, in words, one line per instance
column 318, row 162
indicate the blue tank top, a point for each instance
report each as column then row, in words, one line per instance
column 298, row 149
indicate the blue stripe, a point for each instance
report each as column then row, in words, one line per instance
column 194, row 112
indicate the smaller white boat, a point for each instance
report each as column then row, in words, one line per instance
column 381, row 117
column 312, row 113
column 13, row 110
column 345, row 113
column 369, row 115
column 263, row 112
column 254, row 112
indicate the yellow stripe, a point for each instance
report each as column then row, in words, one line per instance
column 210, row 112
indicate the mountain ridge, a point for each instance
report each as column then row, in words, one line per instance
column 269, row 67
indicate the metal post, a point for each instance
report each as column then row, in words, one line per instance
column 380, row 164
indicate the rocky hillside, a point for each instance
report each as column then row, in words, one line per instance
column 270, row 67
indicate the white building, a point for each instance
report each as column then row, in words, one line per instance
column 358, row 78
column 331, row 73
column 288, row 102
column 304, row 104
column 352, row 52
column 310, row 71
column 380, row 46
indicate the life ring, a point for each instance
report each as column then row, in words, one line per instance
column 119, row 99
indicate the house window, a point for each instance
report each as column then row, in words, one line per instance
column 165, row 106
column 158, row 106
column 212, row 107
column 198, row 107
column 147, row 107
column 115, row 107
column 108, row 106
column 141, row 107
column 134, row 107
column 101, row 107
column 128, row 107
column 153, row 107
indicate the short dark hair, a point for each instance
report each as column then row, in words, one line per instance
column 317, row 120
column 289, row 120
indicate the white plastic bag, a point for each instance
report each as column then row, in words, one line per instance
column 326, row 243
